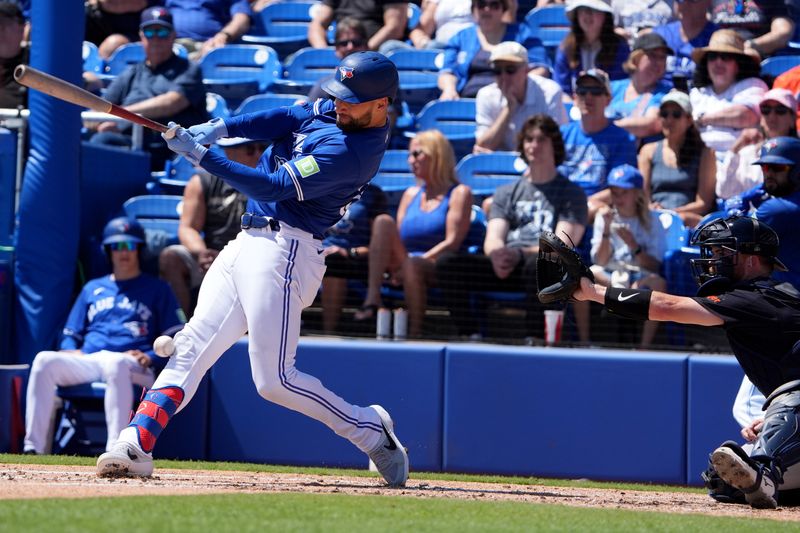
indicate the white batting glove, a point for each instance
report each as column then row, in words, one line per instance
column 183, row 144
column 209, row 132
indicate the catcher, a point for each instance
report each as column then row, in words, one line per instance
column 737, row 258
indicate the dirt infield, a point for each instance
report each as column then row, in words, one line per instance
column 41, row 481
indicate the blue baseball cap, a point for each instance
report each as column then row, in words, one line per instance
column 156, row 16
column 362, row 77
column 625, row 177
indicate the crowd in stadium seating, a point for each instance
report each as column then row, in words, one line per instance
column 672, row 88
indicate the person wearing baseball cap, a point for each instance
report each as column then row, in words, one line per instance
column 590, row 43
column 503, row 106
column 628, row 240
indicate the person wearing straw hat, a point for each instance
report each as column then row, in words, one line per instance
column 726, row 92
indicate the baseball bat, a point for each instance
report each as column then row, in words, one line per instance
column 64, row 90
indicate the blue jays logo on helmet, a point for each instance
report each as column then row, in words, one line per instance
column 768, row 146
column 782, row 151
column 346, row 73
column 123, row 229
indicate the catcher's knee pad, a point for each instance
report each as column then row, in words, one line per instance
column 154, row 412
column 778, row 444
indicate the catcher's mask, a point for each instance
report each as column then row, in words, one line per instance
column 721, row 241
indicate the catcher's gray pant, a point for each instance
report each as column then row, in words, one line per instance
column 260, row 283
column 778, row 444
column 119, row 371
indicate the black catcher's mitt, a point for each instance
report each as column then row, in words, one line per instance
column 559, row 269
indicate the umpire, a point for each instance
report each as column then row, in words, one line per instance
column 761, row 318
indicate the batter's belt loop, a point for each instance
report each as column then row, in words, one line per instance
column 249, row 220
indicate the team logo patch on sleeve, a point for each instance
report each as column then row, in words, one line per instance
column 307, row 166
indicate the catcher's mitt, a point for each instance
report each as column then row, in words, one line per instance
column 559, row 269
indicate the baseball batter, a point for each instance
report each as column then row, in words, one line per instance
column 321, row 158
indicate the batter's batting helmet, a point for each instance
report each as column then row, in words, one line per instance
column 782, row 151
column 123, row 229
column 363, row 76
column 722, row 239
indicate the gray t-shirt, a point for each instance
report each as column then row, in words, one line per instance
column 530, row 208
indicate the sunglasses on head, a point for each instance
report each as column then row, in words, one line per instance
column 490, row 5
column 508, row 69
column 355, row 43
column 774, row 168
column 161, row 33
column 725, row 56
column 416, row 153
column 777, row 109
column 594, row 91
column 124, row 246
column 665, row 113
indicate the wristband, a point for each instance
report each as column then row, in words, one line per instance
column 629, row 303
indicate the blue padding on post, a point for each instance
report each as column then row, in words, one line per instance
column 712, row 385
column 562, row 413
column 405, row 378
column 186, row 435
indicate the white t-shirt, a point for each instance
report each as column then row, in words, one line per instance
column 739, row 174
column 543, row 95
column 652, row 240
column 634, row 15
column 451, row 17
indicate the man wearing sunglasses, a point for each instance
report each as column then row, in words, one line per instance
column 108, row 337
column 164, row 87
column 503, row 107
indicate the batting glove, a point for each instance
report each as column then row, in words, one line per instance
column 209, row 132
column 183, row 144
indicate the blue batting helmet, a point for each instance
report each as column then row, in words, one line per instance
column 363, row 76
column 782, row 151
column 123, row 229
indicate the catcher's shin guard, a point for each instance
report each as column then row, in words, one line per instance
column 153, row 414
column 778, row 444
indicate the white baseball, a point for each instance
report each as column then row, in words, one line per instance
column 164, row 346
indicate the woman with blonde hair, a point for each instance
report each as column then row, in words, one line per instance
column 433, row 217
column 628, row 242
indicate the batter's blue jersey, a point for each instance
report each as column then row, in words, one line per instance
column 121, row 315
column 312, row 170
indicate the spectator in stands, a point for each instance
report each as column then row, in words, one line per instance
column 108, row 337
column 439, row 21
column 634, row 101
column 679, row 170
column 211, row 216
column 590, row 44
column 790, row 80
column 466, row 57
column 628, row 242
column 691, row 30
column 163, row 87
column 113, row 23
column 594, row 145
column 542, row 199
column 780, row 165
column 204, row 26
column 726, row 93
column 778, row 109
column 384, row 20
column 347, row 253
column 765, row 27
column 433, row 218
column 504, row 106
column 13, row 51
column 634, row 18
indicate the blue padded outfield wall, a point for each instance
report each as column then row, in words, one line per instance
column 598, row 414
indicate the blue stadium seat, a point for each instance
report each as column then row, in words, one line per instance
column 304, row 68
column 216, row 106
column 549, row 24
column 92, row 62
column 417, row 60
column 237, row 71
column 282, row 26
column 419, row 88
column 264, row 102
column 485, row 172
column 454, row 118
column 677, row 236
column 394, row 176
column 775, row 66
column 156, row 212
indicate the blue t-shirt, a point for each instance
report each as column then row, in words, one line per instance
column 122, row 315
column 422, row 230
column 353, row 230
column 591, row 156
column 619, row 108
column 782, row 214
column 681, row 64
column 202, row 19
column 311, row 172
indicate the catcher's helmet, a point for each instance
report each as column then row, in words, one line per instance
column 782, row 151
column 722, row 239
column 363, row 76
column 123, row 229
